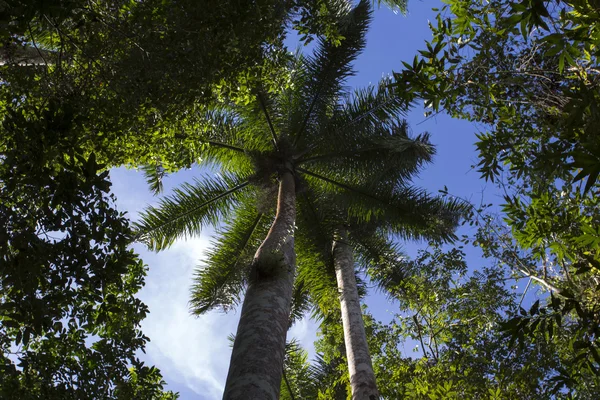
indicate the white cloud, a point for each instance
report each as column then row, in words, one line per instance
column 191, row 351
column 305, row 332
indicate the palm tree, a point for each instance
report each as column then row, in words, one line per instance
column 260, row 146
column 275, row 153
column 416, row 216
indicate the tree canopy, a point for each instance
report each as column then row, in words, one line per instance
column 527, row 72
column 160, row 85
column 69, row 318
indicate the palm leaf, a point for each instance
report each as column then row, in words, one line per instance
column 220, row 280
column 381, row 258
column 409, row 213
column 315, row 258
column 370, row 107
column 394, row 5
column 230, row 140
column 405, row 211
column 185, row 212
column 301, row 302
column 383, row 156
column 327, row 69
column 154, row 175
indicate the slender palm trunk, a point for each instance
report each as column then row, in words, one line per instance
column 259, row 347
column 362, row 377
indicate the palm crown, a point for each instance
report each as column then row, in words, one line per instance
column 351, row 160
column 352, row 151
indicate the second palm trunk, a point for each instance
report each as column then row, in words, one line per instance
column 362, row 377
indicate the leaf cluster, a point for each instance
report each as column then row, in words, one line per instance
column 528, row 72
column 69, row 318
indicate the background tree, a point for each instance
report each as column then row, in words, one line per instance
column 336, row 236
column 69, row 318
column 528, row 73
column 452, row 317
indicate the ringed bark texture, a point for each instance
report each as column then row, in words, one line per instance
column 259, row 348
column 362, row 377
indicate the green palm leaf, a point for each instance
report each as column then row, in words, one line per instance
column 220, row 280
column 231, row 139
column 380, row 156
column 369, row 108
column 191, row 207
column 327, row 70
column 380, row 257
column 154, row 175
column 301, row 302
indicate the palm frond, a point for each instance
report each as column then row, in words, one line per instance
column 315, row 225
column 222, row 276
column 408, row 213
column 394, row 5
column 317, row 277
column 405, row 211
column 381, row 156
column 415, row 214
column 263, row 106
column 380, row 257
column 329, row 67
column 188, row 210
column 361, row 285
column 367, row 107
column 229, row 142
column 334, row 188
column 301, row 302
column 154, row 175
column 296, row 382
column 327, row 376
column 315, row 258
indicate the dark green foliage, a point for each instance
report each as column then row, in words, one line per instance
column 69, row 318
column 528, row 71
column 140, row 74
column 451, row 316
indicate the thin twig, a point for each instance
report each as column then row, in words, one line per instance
column 524, row 293
column 420, row 336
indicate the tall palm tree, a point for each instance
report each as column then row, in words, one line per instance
column 259, row 147
column 340, row 235
column 304, row 140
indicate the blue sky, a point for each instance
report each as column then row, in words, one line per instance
column 193, row 353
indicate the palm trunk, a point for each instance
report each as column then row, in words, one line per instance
column 362, row 377
column 259, row 348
